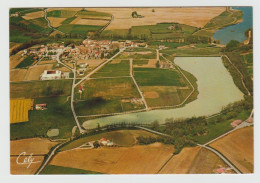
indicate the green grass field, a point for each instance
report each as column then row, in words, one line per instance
column 61, row 13
column 157, row 77
column 60, row 170
column 219, row 128
column 115, row 34
column 161, row 31
column 114, row 69
column 28, row 61
column 102, row 96
column 40, row 89
column 58, row 115
column 120, row 137
column 140, row 62
column 78, row 29
column 208, row 51
column 92, row 13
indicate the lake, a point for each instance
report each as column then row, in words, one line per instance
column 236, row 32
column 216, row 89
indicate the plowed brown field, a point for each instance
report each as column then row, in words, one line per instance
column 193, row 160
column 194, row 16
column 238, row 148
column 117, row 160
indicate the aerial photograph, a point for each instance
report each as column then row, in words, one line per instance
column 131, row 90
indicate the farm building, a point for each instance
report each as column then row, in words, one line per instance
column 19, row 109
column 50, row 75
column 41, row 106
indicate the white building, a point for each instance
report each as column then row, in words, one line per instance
column 50, row 75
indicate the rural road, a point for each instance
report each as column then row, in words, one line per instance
column 140, row 92
column 49, row 158
column 49, row 23
column 98, row 68
column 222, row 157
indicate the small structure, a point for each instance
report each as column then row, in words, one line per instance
column 221, row 170
column 236, row 123
column 50, row 75
column 53, row 132
column 83, row 65
column 103, row 141
column 41, row 106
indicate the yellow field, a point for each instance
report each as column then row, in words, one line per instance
column 55, row 21
column 19, row 110
column 34, row 15
column 84, row 21
column 194, row 16
column 238, row 147
column 15, row 60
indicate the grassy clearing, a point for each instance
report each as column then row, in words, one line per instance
column 114, row 69
column 157, row 77
column 58, row 115
column 40, row 89
column 60, row 170
column 120, row 137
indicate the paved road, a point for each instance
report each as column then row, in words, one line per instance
column 49, row 158
column 152, row 131
column 81, row 130
column 241, row 75
column 222, row 157
column 140, row 92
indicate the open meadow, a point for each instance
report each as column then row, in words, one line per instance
column 119, row 137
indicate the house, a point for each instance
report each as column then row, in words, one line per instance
column 103, row 141
column 50, row 75
column 236, row 123
column 41, row 106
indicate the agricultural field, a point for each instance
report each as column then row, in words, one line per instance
column 124, row 138
column 189, row 51
column 115, row 68
column 30, row 74
column 151, row 63
column 57, row 116
column 21, row 169
column 194, row 160
column 110, row 95
column 144, row 54
column 38, row 146
column 19, row 109
column 181, row 15
column 15, row 60
column 226, row 18
column 36, row 89
column 238, row 148
column 117, row 160
column 60, row 170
